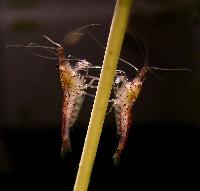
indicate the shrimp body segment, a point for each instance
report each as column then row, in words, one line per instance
column 125, row 98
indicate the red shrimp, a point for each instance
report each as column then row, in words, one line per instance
column 73, row 95
column 73, row 86
column 123, row 102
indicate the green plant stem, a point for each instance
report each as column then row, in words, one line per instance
column 115, row 39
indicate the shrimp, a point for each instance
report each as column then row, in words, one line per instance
column 74, row 85
column 125, row 97
column 73, row 95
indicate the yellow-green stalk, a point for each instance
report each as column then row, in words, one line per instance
column 115, row 39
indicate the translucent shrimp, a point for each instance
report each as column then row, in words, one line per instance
column 73, row 86
column 125, row 97
column 74, row 80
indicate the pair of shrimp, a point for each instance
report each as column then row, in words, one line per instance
column 74, row 86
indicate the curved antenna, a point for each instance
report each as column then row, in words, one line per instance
column 49, row 50
column 74, row 36
column 76, row 31
column 41, row 56
column 129, row 64
column 50, row 40
column 86, row 26
column 34, row 45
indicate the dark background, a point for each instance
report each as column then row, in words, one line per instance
column 164, row 142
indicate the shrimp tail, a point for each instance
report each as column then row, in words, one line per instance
column 116, row 157
column 66, row 147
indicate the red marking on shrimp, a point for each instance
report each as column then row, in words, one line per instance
column 126, row 96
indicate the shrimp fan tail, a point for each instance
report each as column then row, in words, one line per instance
column 116, row 158
column 66, row 147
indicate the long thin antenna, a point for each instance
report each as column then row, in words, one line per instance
column 34, row 45
column 171, row 69
column 50, row 40
column 86, row 26
column 128, row 63
column 41, row 56
column 30, row 46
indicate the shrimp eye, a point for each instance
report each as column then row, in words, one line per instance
column 57, row 66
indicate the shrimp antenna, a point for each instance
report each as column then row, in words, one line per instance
column 86, row 26
column 34, row 45
column 50, row 40
column 171, row 69
column 41, row 56
column 50, row 58
column 29, row 46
